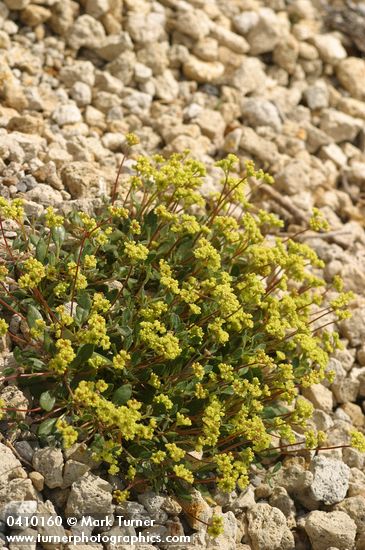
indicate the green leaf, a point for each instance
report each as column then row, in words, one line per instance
column 84, row 300
column 47, row 401
column 276, row 468
column 81, row 315
column 32, row 316
column 122, row 394
column 84, row 353
column 58, row 235
column 46, row 427
column 41, row 250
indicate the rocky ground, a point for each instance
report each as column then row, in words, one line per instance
column 279, row 81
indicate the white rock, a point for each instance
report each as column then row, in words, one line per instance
column 194, row 23
column 317, row 96
column 245, row 21
column 229, row 39
column 265, row 35
column 340, row 126
column 351, row 75
column 67, row 114
column 145, row 28
column 261, row 112
column 330, row 480
column 79, row 71
column 202, row 71
column 320, row 397
column 153, row 503
column 334, row 152
column 142, row 73
column 346, row 390
column 166, row 87
column 86, row 32
column 90, row 495
column 9, row 464
column 267, row 528
column 211, row 124
column 81, row 93
column 137, row 103
column 326, row 529
column 49, row 463
column 250, row 76
column 329, row 48
column 114, row 45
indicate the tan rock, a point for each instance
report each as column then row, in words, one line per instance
column 351, row 75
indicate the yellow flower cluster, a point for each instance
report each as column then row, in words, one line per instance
column 100, row 303
column 182, row 472
column 12, row 210
column 63, row 358
column 164, row 400
column 90, row 261
column 207, row 254
column 215, row 527
column 120, row 360
column 81, row 281
column 211, row 418
column 4, row 327
column 96, row 333
column 35, row 272
column 68, row 433
column 166, row 278
column 162, row 342
column 175, row 452
column 52, row 219
column 136, row 252
column 357, row 440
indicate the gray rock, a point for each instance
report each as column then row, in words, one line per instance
column 66, row 114
column 91, row 496
column 86, row 32
column 340, row 126
column 267, row 528
column 330, row 529
column 330, row 479
column 261, row 112
column 153, row 504
column 49, row 462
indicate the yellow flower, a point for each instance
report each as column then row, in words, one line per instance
column 358, row 440
column 136, row 252
column 52, row 219
column 120, row 360
column 182, row 472
column 3, row 327
column 35, row 273
column 69, row 434
column 90, row 261
column 215, row 527
column 63, row 358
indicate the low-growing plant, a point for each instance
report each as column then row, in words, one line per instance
column 170, row 333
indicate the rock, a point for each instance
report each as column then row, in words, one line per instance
column 355, row 413
column 47, row 510
column 267, row 528
column 229, row 39
column 79, row 71
column 211, row 124
column 82, row 179
column 97, row 8
column 294, row 177
column 86, row 32
column 66, row 114
column 90, row 495
column 49, row 463
column 245, row 500
column 194, row 23
column 137, row 103
column 280, row 499
column 114, row 45
column 202, row 71
column 265, row 34
column 33, row 15
column 81, row 93
column 15, row 399
column 329, row 48
column 330, row 529
column 17, row 4
column 330, row 479
column 9, row 465
column 351, row 75
column 145, row 28
column 261, row 112
column 197, row 509
column 354, row 507
column 44, row 194
column 166, row 87
column 38, row 480
column 346, row 390
column 249, row 76
column 340, row 126
column 73, row 471
column 286, row 53
column 153, row 504
column 317, row 96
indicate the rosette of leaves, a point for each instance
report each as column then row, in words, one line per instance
column 170, row 333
